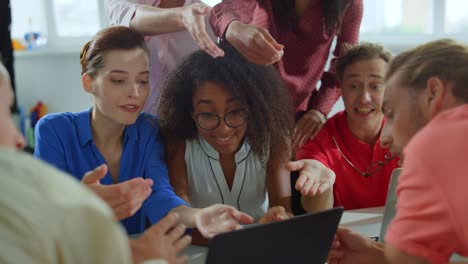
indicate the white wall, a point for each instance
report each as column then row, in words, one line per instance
column 54, row 78
column 51, row 77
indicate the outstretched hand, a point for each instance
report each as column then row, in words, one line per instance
column 219, row 218
column 350, row 247
column 193, row 18
column 314, row 177
column 275, row 214
column 254, row 43
column 124, row 198
column 164, row 240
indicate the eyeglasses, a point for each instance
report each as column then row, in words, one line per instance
column 372, row 168
column 210, row 121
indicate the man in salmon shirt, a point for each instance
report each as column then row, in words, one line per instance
column 426, row 106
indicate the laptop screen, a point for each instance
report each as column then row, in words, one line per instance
column 302, row 239
column 390, row 204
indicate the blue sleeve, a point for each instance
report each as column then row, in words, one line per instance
column 163, row 199
column 48, row 146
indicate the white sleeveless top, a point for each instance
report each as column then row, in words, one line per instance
column 207, row 184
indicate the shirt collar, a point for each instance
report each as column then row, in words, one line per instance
column 85, row 134
column 348, row 136
column 240, row 155
column 84, row 126
column 131, row 131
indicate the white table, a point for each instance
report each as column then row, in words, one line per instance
column 367, row 221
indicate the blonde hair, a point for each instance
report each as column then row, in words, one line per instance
column 444, row 58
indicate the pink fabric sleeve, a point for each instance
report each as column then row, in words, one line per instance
column 329, row 91
column 120, row 12
column 422, row 226
column 227, row 11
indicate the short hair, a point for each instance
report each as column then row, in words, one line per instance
column 360, row 52
column 444, row 58
column 258, row 88
column 109, row 39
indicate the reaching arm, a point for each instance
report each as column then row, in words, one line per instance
column 229, row 10
column 315, row 183
column 329, row 93
column 175, row 160
column 151, row 20
column 231, row 20
column 393, row 255
column 278, row 182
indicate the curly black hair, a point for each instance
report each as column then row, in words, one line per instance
column 258, row 88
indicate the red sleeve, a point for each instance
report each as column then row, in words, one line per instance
column 314, row 149
column 225, row 12
column 329, row 91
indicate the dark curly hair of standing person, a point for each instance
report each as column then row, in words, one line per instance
column 258, row 88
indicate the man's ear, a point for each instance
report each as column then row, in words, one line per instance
column 87, row 82
column 436, row 90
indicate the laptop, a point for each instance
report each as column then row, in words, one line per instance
column 302, row 239
column 390, row 204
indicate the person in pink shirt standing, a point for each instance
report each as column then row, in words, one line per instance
column 426, row 106
column 296, row 36
column 173, row 29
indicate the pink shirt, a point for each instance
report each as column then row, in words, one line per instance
column 307, row 48
column 432, row 208
column 166, row 50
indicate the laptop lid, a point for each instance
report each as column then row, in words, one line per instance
column 390, row 204
column 302, row 239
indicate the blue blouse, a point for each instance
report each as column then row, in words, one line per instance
column 66, row 141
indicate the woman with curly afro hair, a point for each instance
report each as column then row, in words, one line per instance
column 228, row 128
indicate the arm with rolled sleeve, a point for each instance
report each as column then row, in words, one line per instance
column 121, row 12
column 163, row 198
column 229, row 10
column 48, row 145
column 329, row 91
column 315, row 152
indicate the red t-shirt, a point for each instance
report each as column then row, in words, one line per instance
column 351, row 190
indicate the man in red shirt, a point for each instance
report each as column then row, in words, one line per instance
column 306, row 30
column 348, row 146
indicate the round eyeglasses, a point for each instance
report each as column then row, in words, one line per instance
column 372, row 168
column 210, row 121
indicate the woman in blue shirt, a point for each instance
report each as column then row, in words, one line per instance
column 133, row 180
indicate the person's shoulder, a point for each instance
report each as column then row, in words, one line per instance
column 145, row 128
column 330, row 126
column 337, row 117
column 45, row 180
column 357, row 4
column 147, row 121
column 445, row 130
column 61, row 120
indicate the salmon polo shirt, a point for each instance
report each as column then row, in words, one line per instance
column 432, row 213
column 351, row 190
